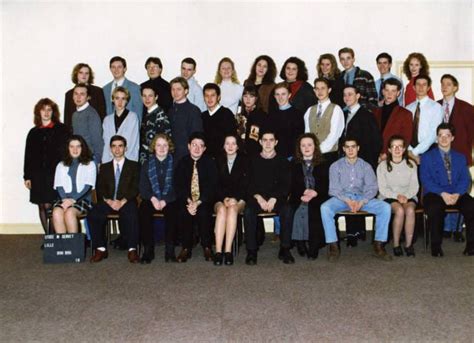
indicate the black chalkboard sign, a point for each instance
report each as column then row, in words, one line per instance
column 66, row 248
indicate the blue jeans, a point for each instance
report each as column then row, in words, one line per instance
column 380, row 208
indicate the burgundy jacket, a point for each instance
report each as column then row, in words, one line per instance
column 399, row 123
column 462, row 118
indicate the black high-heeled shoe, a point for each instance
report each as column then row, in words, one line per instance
column 397, row 251
column 410, row 251
column 228, row 259
column 218, row 258
column 301, row 247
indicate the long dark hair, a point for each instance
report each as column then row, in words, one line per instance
column 302, row 71
column 86, row 155
column 317, row 156
column 269, row 77
column 405, row 153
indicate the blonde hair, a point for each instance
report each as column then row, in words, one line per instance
column 218, row 77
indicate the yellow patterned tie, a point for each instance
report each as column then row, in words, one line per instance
column 195, row 183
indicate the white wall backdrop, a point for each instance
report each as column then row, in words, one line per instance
column 42, row 41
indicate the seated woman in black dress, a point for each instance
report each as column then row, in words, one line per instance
column 232, row 169
column 74, row 180
column 309, row 189
column 158, row 194
column 44, row 145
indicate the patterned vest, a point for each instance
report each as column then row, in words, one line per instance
column 321, row 126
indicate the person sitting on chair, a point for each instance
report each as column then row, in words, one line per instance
column 445, row 179
column 353, row 187
column 195, row 181
column 232, row 168
column 309, row 189
column 398, row 185
column 268, row 190
column 74, row 180
column 117, row 190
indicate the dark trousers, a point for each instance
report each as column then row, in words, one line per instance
column 316, row 237
column 147, row 236
column 128, row 222
column 203, row 220
column 435, row 206
column 252, row 209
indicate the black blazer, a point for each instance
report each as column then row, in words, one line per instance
column 128, row 183
column 365, row 129
column 207, row 178
column 321, row 177
column 233, row 185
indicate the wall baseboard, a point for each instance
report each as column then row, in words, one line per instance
column 21, row 229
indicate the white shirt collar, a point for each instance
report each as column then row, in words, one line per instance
column 354, row 108
column 119, row 163
column 152, row 108
column 211, row 113
column 119, row 82
column 83, row 107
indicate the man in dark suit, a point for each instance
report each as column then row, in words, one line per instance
column 360, row 124
column 460, row 114
column 446, row 180
column 117, row 189
column 391, row 118
column 196, row 179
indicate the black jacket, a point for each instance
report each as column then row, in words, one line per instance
column 128, row 183
column 233, row 184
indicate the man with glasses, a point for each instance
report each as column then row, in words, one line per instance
column 446, row 180
column 353, row 187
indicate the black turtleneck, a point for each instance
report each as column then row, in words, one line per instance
column 386, row 112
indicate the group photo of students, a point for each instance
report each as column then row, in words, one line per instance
column 214, row 159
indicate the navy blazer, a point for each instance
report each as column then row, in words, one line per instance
column 134, row 104
column 434, row 177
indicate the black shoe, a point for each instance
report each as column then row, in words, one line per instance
column 285, row 255
column 469, row 251
column 148, row 256
column 170, row 257
column 301, row 247
column 458, row 237
column 351, row 241
column 397, row 251
column 228, row 259
column 251, row 258
column 218, row 259
column 313, row 254
column 410, row 251
column 436, row 251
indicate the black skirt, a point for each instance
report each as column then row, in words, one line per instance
column 42, row 191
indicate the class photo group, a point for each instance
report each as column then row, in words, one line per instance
column 207, row 158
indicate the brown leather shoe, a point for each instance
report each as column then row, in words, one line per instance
column 99, row 255
column 183, row 256
column 334, row 252
column 379, row 251
column 208, row 254
column 133, row 256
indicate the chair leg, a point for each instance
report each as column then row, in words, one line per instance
column 425, row 233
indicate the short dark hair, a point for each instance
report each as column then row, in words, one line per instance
column 267, row 131
column 384, row 55
column 350, row 138
column 197, row 135
column 118, row 59
column 154, row 60
column 446, row 126
column 346, row 50
column 213, row 86
column 147, row 86
column 81, row 85
column 189, row 60
column 423, row 77
column 118, row 138
column 357, row 91
column 252, row 90
column 393, row 82
column 181, row 80
column 302, row 70
column 452, row 78
column 323, row 80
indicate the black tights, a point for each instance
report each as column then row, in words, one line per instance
column 43, row 214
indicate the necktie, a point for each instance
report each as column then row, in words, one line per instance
column 348, row 119
column 117, row 179
column 195, row 183
column 416, row 121
column 447, row 165
column 446, row 112
column 320, row 110
column 380, row 89
column 346, row 78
